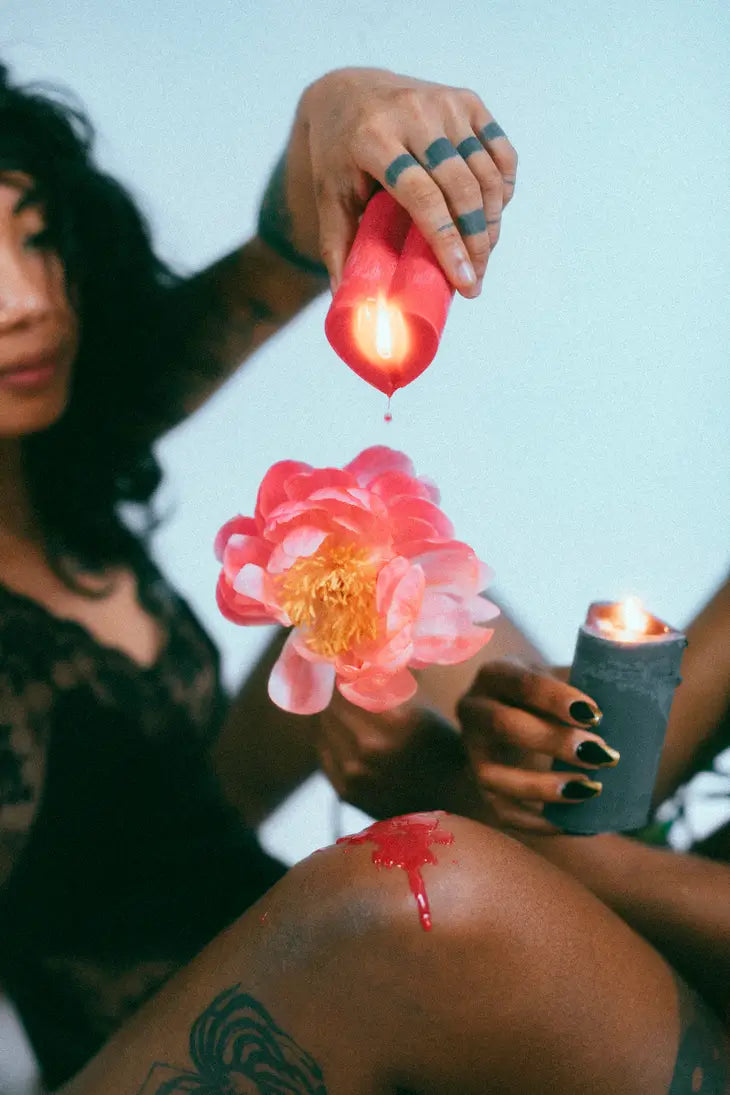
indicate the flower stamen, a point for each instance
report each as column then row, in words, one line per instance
column 331, row 597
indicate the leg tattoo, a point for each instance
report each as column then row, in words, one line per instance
column 236, row 1046
column 702, row 1060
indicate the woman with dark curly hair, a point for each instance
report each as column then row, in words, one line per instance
column 120, row 855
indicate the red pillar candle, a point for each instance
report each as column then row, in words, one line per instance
column 387, row 316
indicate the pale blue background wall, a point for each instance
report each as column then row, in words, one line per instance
column 576, row 416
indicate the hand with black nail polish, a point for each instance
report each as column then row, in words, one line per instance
column 515, row 722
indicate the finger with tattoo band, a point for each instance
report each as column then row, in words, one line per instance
column 494, row 140
column 466, row 196
column 482, row 166
column 412, row 186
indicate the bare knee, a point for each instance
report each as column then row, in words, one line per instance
column 424, row 874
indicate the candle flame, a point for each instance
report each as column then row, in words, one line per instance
column 632, row 616
column 380, row 331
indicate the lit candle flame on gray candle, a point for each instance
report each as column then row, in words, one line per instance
column 627, row 661
column 634, row 621
column 626, row 622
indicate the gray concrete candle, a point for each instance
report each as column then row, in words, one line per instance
column 628, row 662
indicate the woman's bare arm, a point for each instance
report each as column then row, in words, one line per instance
column 680, row 903
column 263, row 753
column 702, row 700
column 387, row 764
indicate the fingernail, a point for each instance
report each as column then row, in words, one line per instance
column 585, row 712
column 465, row 273
column 592, row 752
column 577, row 789
column 333, row 284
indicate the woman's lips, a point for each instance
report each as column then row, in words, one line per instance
column 31, row 376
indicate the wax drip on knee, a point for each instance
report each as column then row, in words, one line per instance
column 406, row 842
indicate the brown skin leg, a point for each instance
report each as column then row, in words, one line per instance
column 527, row 982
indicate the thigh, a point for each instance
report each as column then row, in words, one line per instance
column 525, row 982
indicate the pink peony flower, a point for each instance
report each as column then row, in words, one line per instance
column 362, row 563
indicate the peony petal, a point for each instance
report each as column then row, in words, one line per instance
column 421, row 544
column 394, row 484
column 363, row 499
column 298, row 685
column 404, row 512
column 378, row 691
column 450, row 567
column 481, row 610
column 326, row 513
column 273, row 486
column 433, row 492
column 245, row 525
column 459, row 650
column 242, row 549
column 299, row 642
column 377, row 460
column 388, row 578
column 304, row 541
column 302, row 486
column 241, row 610
column 395, row 654
column 406, row 600
column 442, row 614
column 444, row 633
column 438, row 650
column 251, row 582
column 486, row 576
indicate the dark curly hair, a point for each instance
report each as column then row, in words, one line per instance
column 98, row 455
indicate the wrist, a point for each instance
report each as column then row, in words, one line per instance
column 275, row 226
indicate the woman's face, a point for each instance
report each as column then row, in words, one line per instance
column 38, row 326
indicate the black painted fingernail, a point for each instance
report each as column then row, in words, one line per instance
column 585, row 712
column 591, row 752
column 577, row 789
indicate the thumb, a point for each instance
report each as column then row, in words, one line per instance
column 337, row 227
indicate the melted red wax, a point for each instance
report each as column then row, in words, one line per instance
column 405, row 842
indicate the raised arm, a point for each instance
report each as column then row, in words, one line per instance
column 436, row 149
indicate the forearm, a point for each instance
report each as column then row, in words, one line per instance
column 680, row 903
column 215, row 320
column 263, row 753
column 702, row 699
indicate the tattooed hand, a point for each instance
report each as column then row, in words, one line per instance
column 437, row 150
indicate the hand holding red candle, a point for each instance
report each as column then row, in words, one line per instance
column 436, row 150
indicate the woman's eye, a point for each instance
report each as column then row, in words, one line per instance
column 40, row 241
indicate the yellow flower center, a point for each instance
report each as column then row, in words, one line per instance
column 331, row 597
